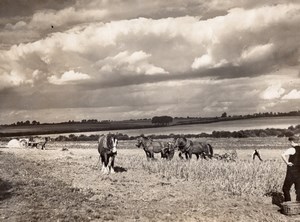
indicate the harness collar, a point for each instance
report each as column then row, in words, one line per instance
column 186, row 148
column 189, row 147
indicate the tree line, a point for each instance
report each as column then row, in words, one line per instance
column 290, row 131
column 166, row 120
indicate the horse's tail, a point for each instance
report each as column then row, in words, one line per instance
column 211, row 150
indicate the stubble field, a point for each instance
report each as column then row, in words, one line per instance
column 57, row 185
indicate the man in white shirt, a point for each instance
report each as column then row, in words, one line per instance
column 292, row 159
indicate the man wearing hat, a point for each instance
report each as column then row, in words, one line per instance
column 292, row 159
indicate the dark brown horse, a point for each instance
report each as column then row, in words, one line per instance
column 150, row 147
column 107, row 148
column 189, row 147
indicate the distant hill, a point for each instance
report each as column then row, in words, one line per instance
column 36, row 128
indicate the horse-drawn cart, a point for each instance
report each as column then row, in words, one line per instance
column 34, row 144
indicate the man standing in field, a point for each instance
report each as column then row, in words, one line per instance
column 292, row 159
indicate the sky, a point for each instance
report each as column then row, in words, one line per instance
column 118, row 60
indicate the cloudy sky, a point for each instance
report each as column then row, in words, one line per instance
column 117, row 59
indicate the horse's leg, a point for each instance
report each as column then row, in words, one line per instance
column 211, row 150
column 103, row 167
column 203, row 155
column 188, row 155
column 106, row 169
column 108, row 163
column 151, row 151
column 180, row 155
column 164, row 154
column 112, row 163
column 152, row 155
column 197, row 155
column 103, row 164
column 167, row 156
column 147, row 155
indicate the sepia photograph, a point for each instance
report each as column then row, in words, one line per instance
column 150, row 111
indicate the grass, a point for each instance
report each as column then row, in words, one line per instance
column 244, row 177
column 214, row 189
column 241, row 178
column 235, row 178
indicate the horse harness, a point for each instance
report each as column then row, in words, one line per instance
column 187, row 148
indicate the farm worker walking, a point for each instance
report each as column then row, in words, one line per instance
column 256, row 154
column 292, row 159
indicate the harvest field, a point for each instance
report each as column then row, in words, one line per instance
column 57, row 185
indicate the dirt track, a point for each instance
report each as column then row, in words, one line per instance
column 56, row 185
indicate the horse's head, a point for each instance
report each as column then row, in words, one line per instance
column 108, row 142
column 140, row 141
column 180, row 142
column 143, row 141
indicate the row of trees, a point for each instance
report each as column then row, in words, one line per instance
column 265, row 114
column 166, row 120
column 84, row 121
column 291, row 131
column 88, row 121
column 162, row 120
column 26, row 123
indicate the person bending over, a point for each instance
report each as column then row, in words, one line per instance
column 256, row 154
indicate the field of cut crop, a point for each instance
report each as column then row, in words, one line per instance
column 64, row 183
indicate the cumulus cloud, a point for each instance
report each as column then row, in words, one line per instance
column 256, row 53
column 201, row 44
column 68, row 77
column 12, row 78
column 294, row 94
column 273, row 92
column 102, row 44
column 132, row 63
column 202, row 62
column 17, row 26
column 203, row 35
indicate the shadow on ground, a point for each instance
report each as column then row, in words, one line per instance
column 5, row 189
column 119, row 169
column 277, row 199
